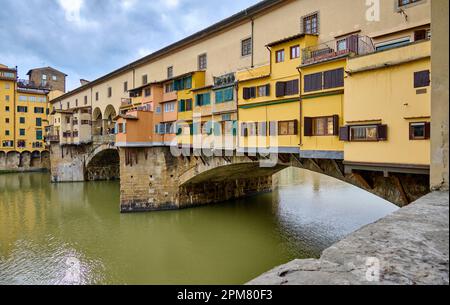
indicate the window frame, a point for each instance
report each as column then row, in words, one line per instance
column 247, row 48
column 202, row 64
column 277, row 58
column 296, row 47
column 313, row 19
column 293, row 132
column 411, row 133
column 376, row 139
column 326, row 128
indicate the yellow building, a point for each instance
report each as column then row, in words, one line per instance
column 7, row 109
column 269, row 98
column 185, row 86
column 388, row 110
column 31, row 119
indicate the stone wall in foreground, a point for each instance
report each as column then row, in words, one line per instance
column 408, row 247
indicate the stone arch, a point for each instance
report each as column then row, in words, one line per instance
column 2, row 159
column 109, row 116
column 25, row 159
column 35, row 159
column 12, row 159
column 97, row 122
column 103, row 163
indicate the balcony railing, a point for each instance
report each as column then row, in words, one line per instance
column 52, row 138
column 24, row 83
column 349, row 46
column 125, row 102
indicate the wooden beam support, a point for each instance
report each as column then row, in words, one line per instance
column 401, row 190
column 316, row 165
column 361, row 181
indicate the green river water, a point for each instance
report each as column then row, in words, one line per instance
column 73, row 233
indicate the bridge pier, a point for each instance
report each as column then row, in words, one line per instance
column 152, row 179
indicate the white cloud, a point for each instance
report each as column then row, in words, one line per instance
column 72, row 10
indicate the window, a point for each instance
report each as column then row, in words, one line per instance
column 246, row 47
column 76, row 103
column 422, row 34
column 263, row 90
column 287, row 88
column 295, row 52
column 147, row 92
column 109, row 91
column 169, row 107
column 402, row 3
column 366, row 133
column 7, row 98
column 7, row 86
column 54, row 78
column 202, row 62
column 125, row 86
column 38, row 122
column 39, row 134
column 6, row 108
column 313, row 82
column 183, row 83
column 7, row 120
column 249, row 93
column 170, row 72
column 7, row 133
column 39, row 110
column 85, row 122
column 279, row 56
column 23, row 98
column 333, row 78
column 21, row 144
column 96, row 96
column 422, row 79
column 44, row 77
column 68, row 105
column 22, row 120
column 67, row 120
column 168, row 87
column 203, row 99
column 287, row 128
column 224, row 95
column 311, row 24
column 32, row 99
column 22, row 109
column 419, row 131
column 184, row 105
column 22, row 132
column 158, row 109
column 322, row 126
column 85, row 99
column 8, row 143
column 144, row 79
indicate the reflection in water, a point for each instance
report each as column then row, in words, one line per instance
column 73, row 233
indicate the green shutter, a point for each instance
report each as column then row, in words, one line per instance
column 207, row 99
column 219, row 96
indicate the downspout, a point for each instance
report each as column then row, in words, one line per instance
column 14, row 110
column 270, row 59
column 301, row 106
column 253, row 44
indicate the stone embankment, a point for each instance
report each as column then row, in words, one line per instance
column 410, row 246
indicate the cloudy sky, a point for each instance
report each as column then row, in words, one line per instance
column 89, row 38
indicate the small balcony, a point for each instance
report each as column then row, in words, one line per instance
column 52, row 138
column 125, row 102
column 349, row 46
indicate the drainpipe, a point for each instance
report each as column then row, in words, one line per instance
column 253, row 44
column 301, row 105
column 270, row 59
column 14, row 111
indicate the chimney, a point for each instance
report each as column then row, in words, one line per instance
column 84, row 82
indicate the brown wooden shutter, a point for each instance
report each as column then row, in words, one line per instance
column 289, row 88
column 244, row 131
column 344, row 133
column 382, row 132
column 268, row 90
column 427, row 130
column 295, row 86
column 273, row 129
column 308, row 130
column 246, row 94
column 296, row 127
column 411, row 132
column 280, row 89
column 252, row 92
column 335, row 125
column 422, row 79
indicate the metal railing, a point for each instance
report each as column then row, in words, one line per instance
column 125, row 102
column 348, row 46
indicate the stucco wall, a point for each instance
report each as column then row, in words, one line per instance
column 439, row 96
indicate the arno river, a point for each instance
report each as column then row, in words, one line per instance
column 73, row 233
